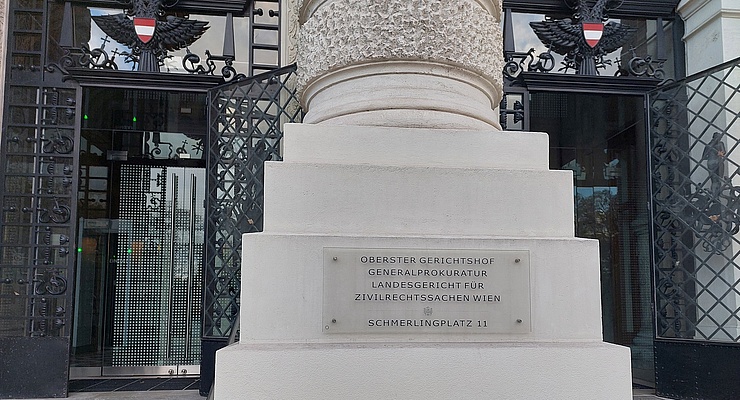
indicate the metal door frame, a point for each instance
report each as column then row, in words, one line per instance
column 165, row 370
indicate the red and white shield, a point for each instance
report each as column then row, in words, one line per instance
column 592, row 32
column 145, row 28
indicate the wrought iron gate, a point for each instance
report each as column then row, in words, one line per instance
column 695, row 171
column 246, row 128
column 37, row 200
column 38, row 193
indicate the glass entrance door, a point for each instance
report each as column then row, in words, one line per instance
column 156, row 289
column 602, row 140
column 140, row 276
column 141, row 212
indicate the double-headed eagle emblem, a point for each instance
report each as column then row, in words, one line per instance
column 150, row 34
column 585, row 39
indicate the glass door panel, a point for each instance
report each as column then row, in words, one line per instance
column 156, row 289
column 601, row 138
column 140, row 229
column 140, row 276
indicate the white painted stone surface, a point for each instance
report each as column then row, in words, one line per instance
column 375, row 200
column 340, row 33
column 345, row 202
column 426, row 371
column 405, row 147
column 289, row 31
column 433, row 66
column 711, row 31
column 402, row 93
column 286, row 305
column 386, row 181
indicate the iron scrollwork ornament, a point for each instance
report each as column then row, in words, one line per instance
column 644, row 66
column 191, row 63
column 51, row 282
column 586, row 38
column 84, row 57
column 516, row 110
column 714, row 212
column 150, row 34
column 57, row 142
column 59, row 213
column 515, row 63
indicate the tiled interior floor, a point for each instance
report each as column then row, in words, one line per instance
column 133, row 384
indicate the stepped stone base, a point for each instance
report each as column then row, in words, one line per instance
column 347, row 192
column 424, row 371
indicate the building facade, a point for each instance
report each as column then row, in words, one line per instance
column 133, row 164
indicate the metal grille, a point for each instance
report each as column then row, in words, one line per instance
column 39, row 158
column 695, row 205
column 246, row 127
column 37, row 204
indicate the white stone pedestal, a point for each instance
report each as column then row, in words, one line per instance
column 348, row 187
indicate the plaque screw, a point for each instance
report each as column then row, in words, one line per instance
column 335, row 259
column 517, row 260
column 333, row 320
column 326, row 327
column 519, row 321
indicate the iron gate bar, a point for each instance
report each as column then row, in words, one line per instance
column 245, row 129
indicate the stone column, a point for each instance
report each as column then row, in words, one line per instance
column 403, row 63
column 712, row 27
column 399, row 183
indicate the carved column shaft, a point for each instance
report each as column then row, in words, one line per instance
column 405, row 63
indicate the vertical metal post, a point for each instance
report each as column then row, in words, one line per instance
column 173, row 232
column 66, row 38
column 509, row 45
column 191, row 261
column 660, row 39
column 229, row 37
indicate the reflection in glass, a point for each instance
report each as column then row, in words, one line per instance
column 89, row 33
column 602, row 140
column 644, row 44
column 140, row 231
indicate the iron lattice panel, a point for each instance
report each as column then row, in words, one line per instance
column 246, row 128
column 696, row 205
